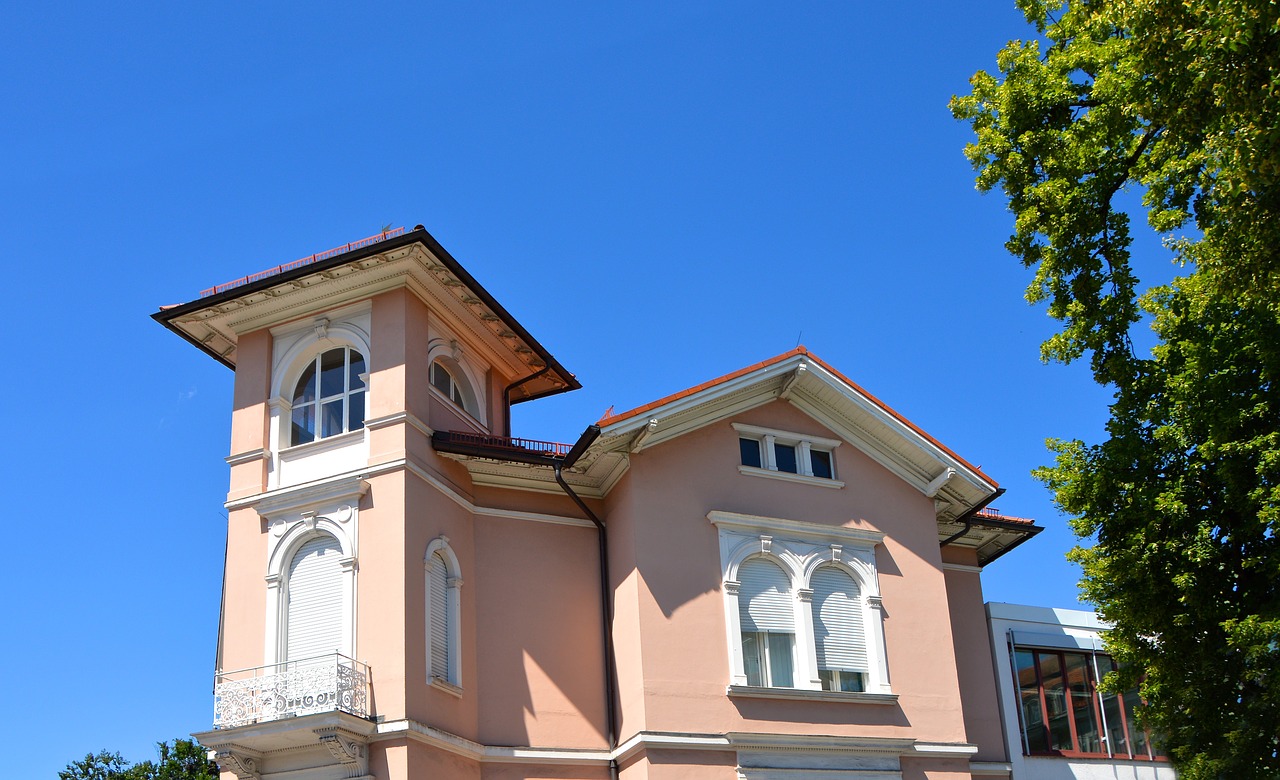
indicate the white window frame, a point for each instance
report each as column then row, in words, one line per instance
column 799, row 548
column 804, row 444
column 453, row 604
column 344, row 395
column 293, row 517
column 294, row 347
column 465, row 369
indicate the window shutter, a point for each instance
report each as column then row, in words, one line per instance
column 438, row 583
column 837, row 621
column 314, row 624
column 764, row 598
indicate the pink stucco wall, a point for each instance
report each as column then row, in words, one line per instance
column 679, row 623
column 532, row 666
column 974, row 665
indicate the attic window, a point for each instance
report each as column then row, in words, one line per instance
column 766, row 452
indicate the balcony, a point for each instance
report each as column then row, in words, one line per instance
column 326, row 683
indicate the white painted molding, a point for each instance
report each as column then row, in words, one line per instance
column 786, row 436
column 800, row 694
column 857, row 537
column 787, row 476
column 962, row 567
column 408, row 418
column 944, row 749
column 247, row 457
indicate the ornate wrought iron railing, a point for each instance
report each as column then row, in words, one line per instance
column 325, row 683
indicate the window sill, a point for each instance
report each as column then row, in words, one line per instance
column 755, row 471
column 336, row 441
column 798, row 694
column 444, row 685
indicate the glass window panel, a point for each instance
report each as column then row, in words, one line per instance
column 1029, row 692
column 1132, row 701
column 780, row 660
column 751, row 659
column 1055, row 700
column 331, row 373
column 839, row 680
column 331, row 418
column 821, row 462
column 785, row 456
column 750, row 449
column 441, row 379
column 356, row 369
column 355, row 411
column 304, row 424
column 1117, row 735
column 306, row 389
column 457, row 396
column 1080, row 686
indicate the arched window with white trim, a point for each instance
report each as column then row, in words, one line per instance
column 443, row 607
column 313, row 600
column 329, row 396
column 767, row 617
column 838, row 635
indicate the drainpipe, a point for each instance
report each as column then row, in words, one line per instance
column 967, row 517
column 606, row 593
column 506, row 397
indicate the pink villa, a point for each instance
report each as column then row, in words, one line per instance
column 769, row 576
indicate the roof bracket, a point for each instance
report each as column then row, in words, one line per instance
column 792, row 379
column 637, row 442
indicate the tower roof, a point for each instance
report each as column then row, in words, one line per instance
column 356, row 271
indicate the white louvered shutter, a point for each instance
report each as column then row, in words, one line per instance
column 837, row 621
column 764, row 598
column 437, row 585
column 314, row 625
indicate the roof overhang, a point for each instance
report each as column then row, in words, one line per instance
column 830, row 398
column 414, row 260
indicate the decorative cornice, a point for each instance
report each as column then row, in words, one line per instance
column 239, row 761
column 861, row 538
column 346, row 748
column 343, row 488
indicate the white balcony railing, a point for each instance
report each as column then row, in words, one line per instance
column 326, row 683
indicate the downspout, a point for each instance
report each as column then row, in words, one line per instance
column 506, row 397
column 967, row 517
column 606, row 593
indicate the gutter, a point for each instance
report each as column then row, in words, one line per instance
column 558, row 463
column 967, row 517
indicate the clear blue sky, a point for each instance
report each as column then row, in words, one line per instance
column 661, row 194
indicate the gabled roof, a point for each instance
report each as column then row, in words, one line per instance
column 412, row 259
column 831, row 398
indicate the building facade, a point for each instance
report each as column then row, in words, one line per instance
column 1058, row 725
column 770, row 575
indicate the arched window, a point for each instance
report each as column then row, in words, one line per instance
column 767, row 616
column 313, row 606
column 838, row 635
column 450, row 383
column 443, row 605
column 329, row 397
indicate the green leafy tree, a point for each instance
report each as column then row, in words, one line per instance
column 1179, row 506
column 183, row 760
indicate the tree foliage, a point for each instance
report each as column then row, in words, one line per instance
column 1179, row 507
column 183, row 760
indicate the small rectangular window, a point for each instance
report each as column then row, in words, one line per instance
column 750, row 452
column 821, row 462
column 785, row 457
